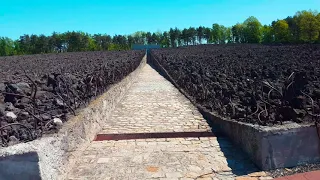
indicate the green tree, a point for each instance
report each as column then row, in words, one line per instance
column 318, row 17
column 200, row 33
column 309, row 25
column 207, row 34
column 130, row 40
column 216, row 34
column 267, row 34
column 178, row 36
column 238, row 33
column 174, row 37
column 227, row 34
column 92, row 44
column 281, row 31
column 149, row 38
column 74, row 41
column 25, row 44
column 139, row 37
column 120, row 42
column 42, row 44
column 252, row 30
column 6, row 47
column 106, row 41
column 192, row 35
column 293, row 29
column 184, row 36
column 33, row 40
column 165, row 40
column 56, row 42
column 17, row 48
column 114, row 47
column 156, row 38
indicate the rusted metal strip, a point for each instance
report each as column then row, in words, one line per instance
column 108, row 137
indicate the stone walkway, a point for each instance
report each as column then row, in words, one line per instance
column 154, row 105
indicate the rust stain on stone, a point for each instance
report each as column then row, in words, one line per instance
column 201, row 157
column 152, row 169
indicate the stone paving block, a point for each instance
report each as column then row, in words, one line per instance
column 103, row 160
column 265, row 178
column 257, row 174
column 174, row 175
column 246, row 178
column 205, row 178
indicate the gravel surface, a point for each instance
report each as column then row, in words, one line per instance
column 294, row 170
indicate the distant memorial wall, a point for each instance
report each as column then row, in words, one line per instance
column 146, row 47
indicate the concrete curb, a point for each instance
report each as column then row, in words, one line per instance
column 56, row 153
column 287, row 145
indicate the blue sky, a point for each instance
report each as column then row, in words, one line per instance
column 19, row 17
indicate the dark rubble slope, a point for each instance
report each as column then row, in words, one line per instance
column 258, row 84
column 37, row 92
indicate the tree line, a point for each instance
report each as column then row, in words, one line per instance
column 303, row 27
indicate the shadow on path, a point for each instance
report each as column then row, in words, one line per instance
column 238, row 161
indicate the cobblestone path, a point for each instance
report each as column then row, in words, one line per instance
column 153, row 104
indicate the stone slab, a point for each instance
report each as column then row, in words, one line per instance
column 17, row 167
